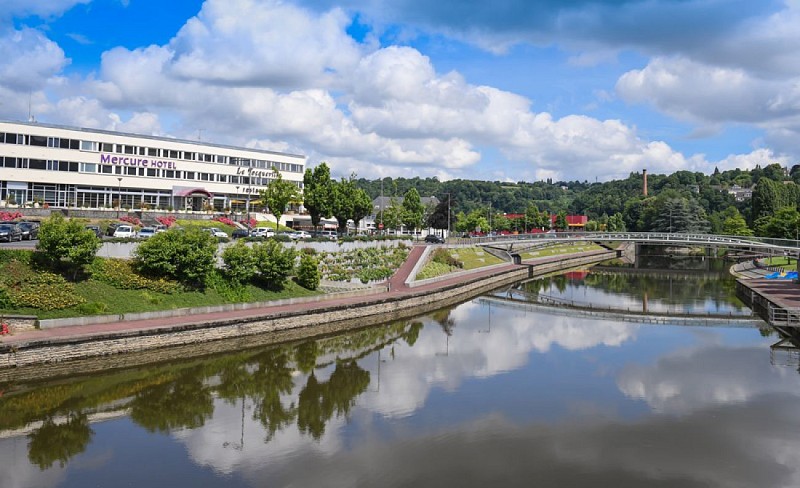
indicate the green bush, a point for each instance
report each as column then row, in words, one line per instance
column 121, row 274
column 275, row 263
column 61, row 239
column 308, row 275
column 442, row 256
column 21, row 255
column 186, row 255
column 240, row 262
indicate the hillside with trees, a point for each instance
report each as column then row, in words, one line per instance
column 684, row 201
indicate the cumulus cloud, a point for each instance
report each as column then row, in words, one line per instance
column 29, row 59
column 41, row 8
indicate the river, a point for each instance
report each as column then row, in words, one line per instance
column 486, row 393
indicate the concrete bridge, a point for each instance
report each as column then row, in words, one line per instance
column 516, row 244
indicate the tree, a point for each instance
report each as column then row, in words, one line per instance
column 785, row 224
column 390, row 217
column 349, row 203
column 616, row 223
column 278, row 195
column 561, row 221
column 186, row 255
column 61, row 239
column 318, row 193
column 413, row 210
column 438, row 218
column 735, row 225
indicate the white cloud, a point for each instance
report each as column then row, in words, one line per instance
column 41, row 8
column 29, row 59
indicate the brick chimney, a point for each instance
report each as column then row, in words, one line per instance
column 644, row 182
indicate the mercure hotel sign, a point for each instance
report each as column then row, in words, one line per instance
column 138, row 162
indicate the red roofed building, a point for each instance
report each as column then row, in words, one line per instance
column 574, row 222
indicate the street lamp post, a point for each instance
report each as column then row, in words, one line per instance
column 119, row 194
column 249, row 190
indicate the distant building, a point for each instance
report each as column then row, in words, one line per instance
column 574, row 222
column 740, row 194
column 372, row 222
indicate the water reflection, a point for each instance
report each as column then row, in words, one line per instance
column 474, row 395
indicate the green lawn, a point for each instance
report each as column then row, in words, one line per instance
column 781, row 261
column 558, row 249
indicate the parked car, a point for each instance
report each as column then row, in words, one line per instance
column 111, row 228
column 123, row 230
column 327, row 234
column 262, row 232
column 96, row 230
column 146, row 232
column 215, row 232
column 239, row 233
column 30, row 230
column 160, row 228
column 434, row 239
column 10, row 232
column 300, row 234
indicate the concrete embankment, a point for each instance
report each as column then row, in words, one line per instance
column 55, row 352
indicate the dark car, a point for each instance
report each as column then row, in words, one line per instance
column 112, row 227
column 238, row 233
column 96, row 229
column 30, row 230
column 434, row 239
column 10, row 232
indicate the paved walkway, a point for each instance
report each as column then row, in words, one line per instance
column 396, row 288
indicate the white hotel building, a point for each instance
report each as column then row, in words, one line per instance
column 72, row 167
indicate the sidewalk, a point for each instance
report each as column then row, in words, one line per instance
column 396, row 289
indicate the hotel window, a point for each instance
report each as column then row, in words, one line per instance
column 106, row 147
column 89, row 146
column 152, row 172
column 204, row 176
column 120, row 148
column 52, row 165
column 141, row 171
column 130, row 171
column 69, row 144
column 152, row 151
column 171, row 153
column 130, row 149
column 53, row 142
column 73, row 167
column 188, row 175
column 222, row 178
column 224, row 160
column 40, row 141
column 10, row 162
column 106, row 169
column 188, row 155
column 10, row 138
column 168, row 173
column 88, row 168
column 117, row 170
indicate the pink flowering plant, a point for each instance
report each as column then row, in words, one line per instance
column 9, row 216
column 168, row 220
column 131, row 220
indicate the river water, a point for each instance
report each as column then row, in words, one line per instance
column 491, row 392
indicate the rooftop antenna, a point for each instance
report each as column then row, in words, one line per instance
column 199, row 134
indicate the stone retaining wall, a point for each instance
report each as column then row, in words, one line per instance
column 306, row 323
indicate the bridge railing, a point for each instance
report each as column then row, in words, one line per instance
column 655, row 237
column 784, row 317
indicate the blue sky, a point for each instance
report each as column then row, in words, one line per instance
column 510, row 90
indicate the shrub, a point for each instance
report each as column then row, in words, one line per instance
column 308, row 274
column 60, row 239
column 442, row 256
column 121, row 274
column 240, row 262
column 275, row 263
column 183, row 255
column 24, row 287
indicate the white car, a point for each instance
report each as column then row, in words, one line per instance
column 124, row 231
column 262, row 232
column 215, row 232
column 146, row 232
column 301, row 234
